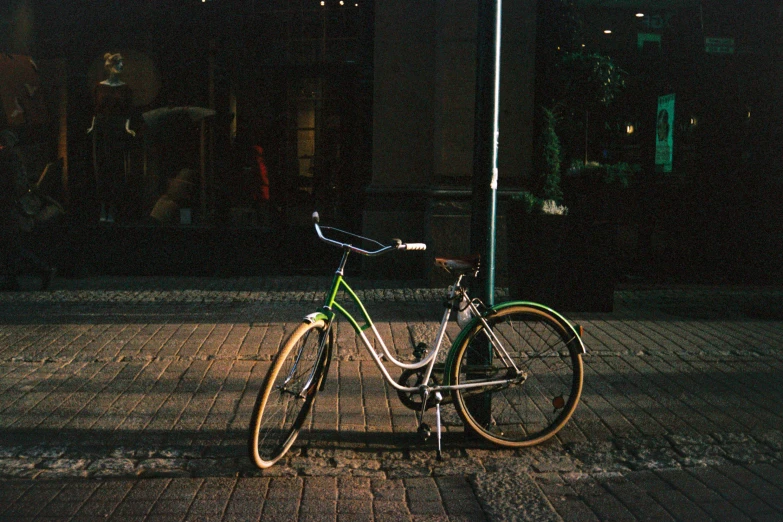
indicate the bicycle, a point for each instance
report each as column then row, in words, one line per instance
column 514, row 372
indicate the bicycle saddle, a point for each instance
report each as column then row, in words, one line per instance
column 459, row 265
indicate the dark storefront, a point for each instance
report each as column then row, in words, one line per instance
column 364, row 110
column 222, row 90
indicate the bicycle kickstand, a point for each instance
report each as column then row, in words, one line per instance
column 438, row 399
column 424, row 429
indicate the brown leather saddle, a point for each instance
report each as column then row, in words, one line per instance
column 459, row 265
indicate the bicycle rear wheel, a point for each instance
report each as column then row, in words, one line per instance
column 288, row 392
column 531, row 411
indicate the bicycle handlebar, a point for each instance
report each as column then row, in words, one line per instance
column 396, row 245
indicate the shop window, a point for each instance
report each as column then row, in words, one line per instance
column 305, row 134
column 306, row 101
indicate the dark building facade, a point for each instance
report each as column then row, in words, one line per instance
column 364, row 111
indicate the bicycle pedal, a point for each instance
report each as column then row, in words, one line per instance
column 424, row 431
column 419, row 351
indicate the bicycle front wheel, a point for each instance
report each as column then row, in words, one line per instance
column 288, row 392
column 537, row 404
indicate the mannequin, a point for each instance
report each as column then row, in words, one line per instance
column 111, row 136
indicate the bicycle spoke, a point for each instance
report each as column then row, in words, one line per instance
column 536, row 407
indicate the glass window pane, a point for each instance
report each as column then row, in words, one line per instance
column 306, row 143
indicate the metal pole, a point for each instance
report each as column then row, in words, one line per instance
column 485, row 180
column 485, row 148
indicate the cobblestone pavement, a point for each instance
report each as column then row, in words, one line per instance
column 129, row 399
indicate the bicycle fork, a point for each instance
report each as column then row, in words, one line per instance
column 311, row 378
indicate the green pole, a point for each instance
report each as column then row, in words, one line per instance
column 485, row 181
column 485, row 148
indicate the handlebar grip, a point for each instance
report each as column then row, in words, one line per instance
column 415, row 246
column 316, row 218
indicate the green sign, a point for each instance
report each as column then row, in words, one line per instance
column 719, row 45
column 664, row 139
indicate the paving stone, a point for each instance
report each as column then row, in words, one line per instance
column 721, row 484
column 282, row 509
column 689, row 485
column 635, row 500
column 724, row 510
column 507, row 496
column 680, row 506
column 352, row 506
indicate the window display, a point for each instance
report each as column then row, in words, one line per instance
column 112, row 138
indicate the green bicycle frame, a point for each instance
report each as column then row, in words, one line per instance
column 332, row 307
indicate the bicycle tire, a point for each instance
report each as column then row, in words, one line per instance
column 279, row 415
column 547, row 350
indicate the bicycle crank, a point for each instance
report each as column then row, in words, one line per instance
column 413, row 379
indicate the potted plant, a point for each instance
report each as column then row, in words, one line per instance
column 594, row 193
column 537, row 225
column 562, row 253
column 592, row 189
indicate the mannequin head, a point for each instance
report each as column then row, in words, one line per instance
column 113, row 63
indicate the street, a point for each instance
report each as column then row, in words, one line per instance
column 130, row 398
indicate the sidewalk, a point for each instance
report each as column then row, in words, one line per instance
column 129, row 399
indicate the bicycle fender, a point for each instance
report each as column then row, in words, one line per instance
column 315, row 317
column 573, row 329
column 447, row 364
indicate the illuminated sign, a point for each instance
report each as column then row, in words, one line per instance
column 664, row 139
